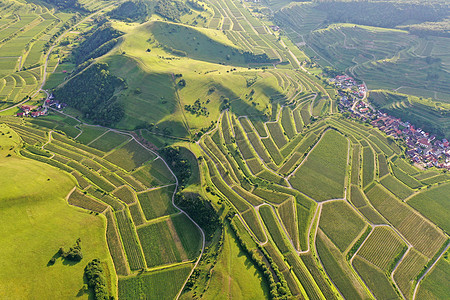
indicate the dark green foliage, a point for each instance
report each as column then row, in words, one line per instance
column 131, row 11
column 200, row 210
column 97, row 42
column 196, row 5
column 279, row 290
column 431, row 28
column 171, row 9
column 65, row 4
column 180, row 166
column 382, row 13
column 74, row 253
column 96, row 279
column 197, row 108
column 91, row 92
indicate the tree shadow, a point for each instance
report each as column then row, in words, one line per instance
column 85, row 290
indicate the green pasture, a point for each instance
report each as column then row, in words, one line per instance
column 234, row 274
column 34, row 202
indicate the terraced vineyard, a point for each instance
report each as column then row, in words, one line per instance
column 223, row 106
column 137, row 218
column 346, row 219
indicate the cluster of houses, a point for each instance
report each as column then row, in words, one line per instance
column 423, row 148
column 36, row 111
column 347, row 82
column 31, row 111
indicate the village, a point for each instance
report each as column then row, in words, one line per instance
column 423, row 148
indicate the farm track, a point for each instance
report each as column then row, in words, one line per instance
column 416, row 288
column 173, row 194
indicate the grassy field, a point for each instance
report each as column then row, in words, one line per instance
column 234, row 275
column 340, row 223
column 431, row 203
column 34, row 202
column 163, row 284
column 331, row 155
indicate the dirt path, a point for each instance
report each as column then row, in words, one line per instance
column 427, row 271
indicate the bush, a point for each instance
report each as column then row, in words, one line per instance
column 96, row 279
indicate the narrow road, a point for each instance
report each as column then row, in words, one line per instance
column 426, row 272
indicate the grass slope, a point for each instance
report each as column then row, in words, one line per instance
column 36, row 222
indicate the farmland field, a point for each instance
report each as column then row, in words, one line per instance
column 340, row 223
column 157, row 202
column 381, row 247
column 431, row 203
column 112, row 110
column 435, row 284
column 160, row 284
column 324, row 156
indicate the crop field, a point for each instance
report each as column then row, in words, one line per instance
column 340, row 223
column 324, row 157
column 130, row 241
column 287, row 212
column 356, row 197
column 375, row 279
column 154, row 174
column 271, row 196
column 274, row 229
column 125, row 194
column 381, row 247
column 163, row 284
column 318, row 276
column 408, row 270
column 337, row 269
column 372, row 215
column 383, row 168
column 108, row 141
column 416, row 229
column 161, row 237
column 79, row 199
column 396, row 187
column 130, row 156
column 90, row 133
column 254, row 223
column 301, row 273
column 368, row 166
column 405, row 178
column 355, row 164
column 157, row 202
column 435, row 284
column 433, row 205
